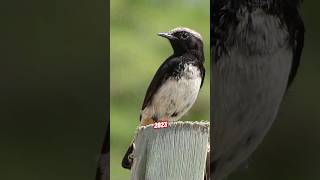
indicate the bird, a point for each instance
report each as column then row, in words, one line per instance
column 176, row 84
column 256, row 47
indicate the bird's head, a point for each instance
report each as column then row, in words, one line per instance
column 184, row 40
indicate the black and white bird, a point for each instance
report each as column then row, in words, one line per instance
column 256, row 49
column 176, row 84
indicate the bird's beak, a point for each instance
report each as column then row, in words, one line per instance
column 167, row 35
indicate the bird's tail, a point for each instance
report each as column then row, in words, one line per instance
column 128, row 159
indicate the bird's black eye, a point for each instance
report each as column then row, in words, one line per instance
column 184, row 36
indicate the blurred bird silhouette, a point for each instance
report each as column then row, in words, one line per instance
column 256, row 47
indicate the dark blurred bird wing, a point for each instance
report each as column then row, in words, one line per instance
column 297, row 36
column 203, row 73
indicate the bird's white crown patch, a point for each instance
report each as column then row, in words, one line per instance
column 194, row 33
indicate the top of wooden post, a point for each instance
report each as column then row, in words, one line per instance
column 175, row 153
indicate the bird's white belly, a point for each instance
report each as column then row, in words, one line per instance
column 176, row 96
column 247, row 93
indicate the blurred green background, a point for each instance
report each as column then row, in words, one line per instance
column 136, row 52
column 291, row 149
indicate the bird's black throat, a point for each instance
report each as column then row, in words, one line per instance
column 196, row 53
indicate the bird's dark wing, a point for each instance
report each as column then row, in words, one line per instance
column 297, row 51
column 164, row 72
column 296, row 30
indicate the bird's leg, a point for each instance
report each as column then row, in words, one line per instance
column 147, row 121
column 150, row 119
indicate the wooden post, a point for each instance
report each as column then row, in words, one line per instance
column 175, row 153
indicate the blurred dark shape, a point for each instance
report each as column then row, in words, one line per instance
column 103, row 170
column 247, row 34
